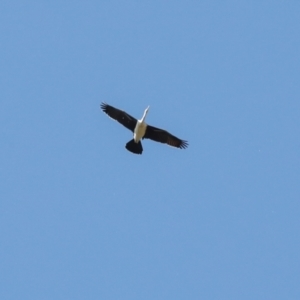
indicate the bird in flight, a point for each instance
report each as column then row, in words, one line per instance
column 141, row 130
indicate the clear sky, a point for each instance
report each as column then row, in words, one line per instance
column 83, row 218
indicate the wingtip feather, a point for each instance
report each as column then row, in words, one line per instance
column 183, row 144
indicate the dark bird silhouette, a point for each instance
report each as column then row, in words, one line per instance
column 141, row 130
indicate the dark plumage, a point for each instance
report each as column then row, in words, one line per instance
column 163, row 136
column 120, row 116
column 141, row 130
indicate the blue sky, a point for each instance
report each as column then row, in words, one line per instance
column 83, row 218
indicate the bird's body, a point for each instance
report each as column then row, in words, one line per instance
column 140, row 127
column 141, row 130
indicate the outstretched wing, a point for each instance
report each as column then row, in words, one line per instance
column 119, row 115
column 163, row 136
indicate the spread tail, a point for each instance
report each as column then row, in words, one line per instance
column 134, row 147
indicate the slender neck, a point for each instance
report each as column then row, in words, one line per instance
column 144, row 115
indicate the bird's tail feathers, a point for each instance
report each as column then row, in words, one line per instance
column 134, row 147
